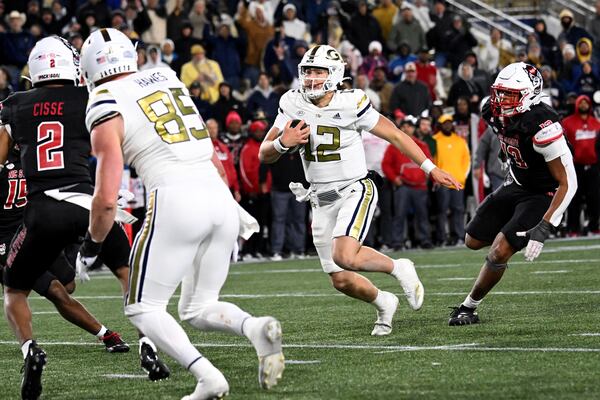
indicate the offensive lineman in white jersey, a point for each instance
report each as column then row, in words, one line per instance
column 343, row 198
column 192, row 220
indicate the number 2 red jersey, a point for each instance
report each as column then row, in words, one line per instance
column 48, row 124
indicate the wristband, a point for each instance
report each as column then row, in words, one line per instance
column 280, row 148
column 428, row 166
column 89, row 248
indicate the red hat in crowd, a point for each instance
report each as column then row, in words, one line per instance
column 257, row 125
column 231, row 117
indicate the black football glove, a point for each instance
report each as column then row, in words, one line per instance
column 537, row 236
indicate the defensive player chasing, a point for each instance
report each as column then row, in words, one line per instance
column 192, row 219
column 541, row 183
column 48, row 124
column 343, row 198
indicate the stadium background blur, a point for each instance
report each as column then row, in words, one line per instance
column 422, row 64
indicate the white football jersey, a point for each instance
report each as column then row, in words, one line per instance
column 165, row 136
column 335, row 151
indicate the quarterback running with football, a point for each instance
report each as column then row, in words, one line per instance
column 341, row 194
column 149, row 120
column 526, row 209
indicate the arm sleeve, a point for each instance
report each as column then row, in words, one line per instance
column 102, row 106
column 552, row 151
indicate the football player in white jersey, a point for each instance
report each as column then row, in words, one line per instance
column 343, row 198
column 148, row 120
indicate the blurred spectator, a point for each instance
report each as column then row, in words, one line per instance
column 183, row 45
column 175, row 21
column 267, row 8
column 224, row 155
column 410, row 189
column 278, row 52
column 117, row 18
column 497, row 53
column 33, row 14
column 548, row 42
column 293, row 26
column 89, row 23
column 363, row 28
column 141, row 56
column 566, row 75
column 427, row 71
column 264, row 98
column 462, row 118
column 49, row 24
column 169, row 56
column 384, row 13
column 584, row 50
column 486, row 159
column 465, row 86
column 452, row 155
column 76, row 40
column 588, row 82
column 459, row 41
column 351, row 56
column 397, row 64
column 410, row 95
column 157, row 14
column 288, row 216
column 154, row 59
column 137, row 17
column 436, row 36
column 383, row 88
column 582, row 130
column 204, row 107
column 408, row 30
column 15, row 44
column 61, row 16
column 226, row 51
column 259, row 32
column 299, row 49
column 535, row 56
column 425, row 133
column 362, row 82
column 226, row 104
column 552, row 87
column 421, row 12
column 97, row 8
column 233, row 136
column 200, row 20
column 373, row 60
column 203, row 70
column 480, row 76
column 256, row 188
column 571, row 33
column 5, row 83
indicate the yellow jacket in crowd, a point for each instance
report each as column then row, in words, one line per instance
column 453, row 155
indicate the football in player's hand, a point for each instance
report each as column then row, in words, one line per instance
column 295, row 123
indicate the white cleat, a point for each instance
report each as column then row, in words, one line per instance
column 266, row 339
column 383, row 325
column 212, row 386
column 409, row 280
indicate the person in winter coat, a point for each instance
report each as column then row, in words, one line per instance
column 583, row 130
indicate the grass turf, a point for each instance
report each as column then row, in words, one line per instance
column 529, row 344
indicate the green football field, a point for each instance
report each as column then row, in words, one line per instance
column 539, row 337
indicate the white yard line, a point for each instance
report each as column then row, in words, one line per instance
column 585, row 334
column 456, row 279
column 341, row 346
column 125, row 376
column 560, row 271
column 301, row 362
column 44, row 312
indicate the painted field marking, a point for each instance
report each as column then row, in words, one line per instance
column 341, row 346
column 456, row 279
column 44, row 312
column 301, row 362
column 586, row 334
column 560, row 271
column 125, row 376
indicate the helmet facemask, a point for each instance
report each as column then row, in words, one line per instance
column 320, row 71
column 315, row 82
column 505, row 102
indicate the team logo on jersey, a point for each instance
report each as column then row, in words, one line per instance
column 337, row 116
column 300, row 112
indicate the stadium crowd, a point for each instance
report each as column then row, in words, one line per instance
column 420, row 63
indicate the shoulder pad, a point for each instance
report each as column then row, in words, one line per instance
column 549, row 132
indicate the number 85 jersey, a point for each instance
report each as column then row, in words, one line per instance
column 335, row 151
column 48, row 124
column 164, row 135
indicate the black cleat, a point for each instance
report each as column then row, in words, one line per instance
column 463, row 316
column 114, row 343
column 31, row 385
column 156, row 369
